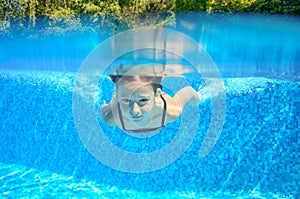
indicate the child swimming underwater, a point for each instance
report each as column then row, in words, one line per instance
column 139, row 105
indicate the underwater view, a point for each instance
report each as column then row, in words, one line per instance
column 242, row 143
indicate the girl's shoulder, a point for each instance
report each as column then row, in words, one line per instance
column 174, row 107
column 106, row 113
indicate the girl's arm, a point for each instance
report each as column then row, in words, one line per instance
column 187, row 94
column 179, row 101
column 105, row 111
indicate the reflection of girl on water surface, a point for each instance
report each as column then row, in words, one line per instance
column 139, row 105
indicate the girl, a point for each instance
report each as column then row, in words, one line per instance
column 139, row 105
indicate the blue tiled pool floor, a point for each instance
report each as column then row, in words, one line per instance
column 256, row 156
column 21, row 182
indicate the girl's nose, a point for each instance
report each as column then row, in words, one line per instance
column 135, row 109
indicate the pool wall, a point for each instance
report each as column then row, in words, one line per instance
column 258, row 149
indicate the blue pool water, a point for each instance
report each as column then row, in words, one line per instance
column 240, row 45
column 256, row 156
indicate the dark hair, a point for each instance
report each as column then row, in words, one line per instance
column 155, row 81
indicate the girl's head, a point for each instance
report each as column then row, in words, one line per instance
column 154, row 82
column 136, row 95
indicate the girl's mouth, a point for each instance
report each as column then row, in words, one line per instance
column 136, row 118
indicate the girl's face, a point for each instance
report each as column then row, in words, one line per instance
column 136, row 101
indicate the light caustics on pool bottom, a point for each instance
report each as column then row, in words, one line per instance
column 22, row 182
column 257, row 155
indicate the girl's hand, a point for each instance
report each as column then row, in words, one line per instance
column 103, row 109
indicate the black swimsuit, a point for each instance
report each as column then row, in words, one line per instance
column 145, row 130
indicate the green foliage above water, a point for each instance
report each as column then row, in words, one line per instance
column 291, row 7
column 65, row 15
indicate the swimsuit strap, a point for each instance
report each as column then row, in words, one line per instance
column 164, row 111
column 121, row 116
column 145, row 130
